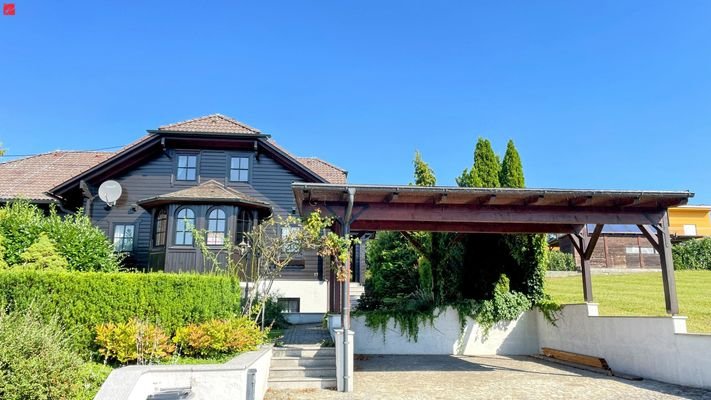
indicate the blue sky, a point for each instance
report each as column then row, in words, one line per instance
column 596, row 94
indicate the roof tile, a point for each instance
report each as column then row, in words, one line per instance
column 214, row 123
column 29, row 178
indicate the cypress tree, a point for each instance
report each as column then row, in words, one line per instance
column 486, row 169
column 511, row 168
column 424, row 176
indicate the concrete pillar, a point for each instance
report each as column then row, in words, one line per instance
column 344, row 358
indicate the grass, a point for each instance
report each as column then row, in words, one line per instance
column 642, row 294
column 93, row 376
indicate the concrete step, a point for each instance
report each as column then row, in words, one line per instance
column 302, row 383
column 291, row 362
column 302, row 372
column 304, row 352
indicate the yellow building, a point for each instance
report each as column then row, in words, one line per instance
column 690, row 221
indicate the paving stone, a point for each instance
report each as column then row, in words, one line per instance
column 306, row 334
column 494, row 377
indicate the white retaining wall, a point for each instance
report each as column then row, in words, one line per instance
column 651, row 347
column 210, row 381
column 444, row 337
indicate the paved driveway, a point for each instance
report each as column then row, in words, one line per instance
column 451, row 378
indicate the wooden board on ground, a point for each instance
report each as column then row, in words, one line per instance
column 591, row 361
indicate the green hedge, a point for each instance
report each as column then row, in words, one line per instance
column 82, row 300
column 693, row 254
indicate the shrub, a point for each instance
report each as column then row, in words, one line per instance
column 219, row 337
column 134, row 340
column 83, row 300
column 559, row 261
column 36, row 361
column 83, row 245
column 43, row 255
column 693, row 254
column 3, row 263
column 273, row 313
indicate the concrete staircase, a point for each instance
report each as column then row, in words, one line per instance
column 303, row 367
column 356, row 290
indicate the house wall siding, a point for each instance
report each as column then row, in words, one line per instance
column 611, row 251
column 269, row 181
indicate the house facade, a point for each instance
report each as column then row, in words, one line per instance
column 212, row 173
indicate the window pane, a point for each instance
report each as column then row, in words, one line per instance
column 242, row 176
column 234, row 163
column 182, row 161
column 244, row 163
column 220, row 225
column 190, row 175
column 128, row 231
column 188, row 237
column 192, row 161
column 182, row 175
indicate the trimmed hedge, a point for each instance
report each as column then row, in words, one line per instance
column 83, row 300
column 693, row 254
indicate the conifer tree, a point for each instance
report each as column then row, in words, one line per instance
column 486, row 169
column 511, row 168
column 43, row 254
column 424, row 176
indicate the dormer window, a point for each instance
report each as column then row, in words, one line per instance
column 239, row 169
column 187, row 167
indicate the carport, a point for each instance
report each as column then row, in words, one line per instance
column 491, row 210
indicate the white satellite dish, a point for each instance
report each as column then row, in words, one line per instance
column 109, row 192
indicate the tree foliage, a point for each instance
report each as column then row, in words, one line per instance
column 511, row 168
column 42, row 254
column 84, row 246
column 412, row 274
column 485, row 170
column 693, row 254
column 424, row 176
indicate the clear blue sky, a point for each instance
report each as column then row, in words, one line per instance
column 596, row 94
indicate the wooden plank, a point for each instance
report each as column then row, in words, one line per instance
column 359, row 225
column 593, row 241
column 590, row 361
column 650, row 236
column 408, row 212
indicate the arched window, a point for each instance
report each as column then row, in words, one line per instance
column 244, row 224
column 184, row 226
column 216, row 227
column 160, row 228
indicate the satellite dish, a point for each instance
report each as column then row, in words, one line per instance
column 109, row 192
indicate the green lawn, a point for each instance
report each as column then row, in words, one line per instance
column 642, row 294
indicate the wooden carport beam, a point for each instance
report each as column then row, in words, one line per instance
column 585, row 245
column 662, row 244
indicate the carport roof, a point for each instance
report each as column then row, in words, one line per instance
column 505, row 210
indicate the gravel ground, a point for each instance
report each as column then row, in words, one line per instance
column 452, row 378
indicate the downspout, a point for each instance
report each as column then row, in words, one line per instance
column 346, row 291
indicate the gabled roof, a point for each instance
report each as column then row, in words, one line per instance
column 326, row 170
column 31, row 177
column 208, row 126
column 211, row 191
column 214, row 123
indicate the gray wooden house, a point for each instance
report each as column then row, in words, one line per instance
column 214, row 173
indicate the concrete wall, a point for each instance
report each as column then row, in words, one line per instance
column 313, row 294
column 651, row 347
column 214, row 382
column 444, row 337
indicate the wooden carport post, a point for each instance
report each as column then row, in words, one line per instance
column 585, row 245
column 662, row 244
